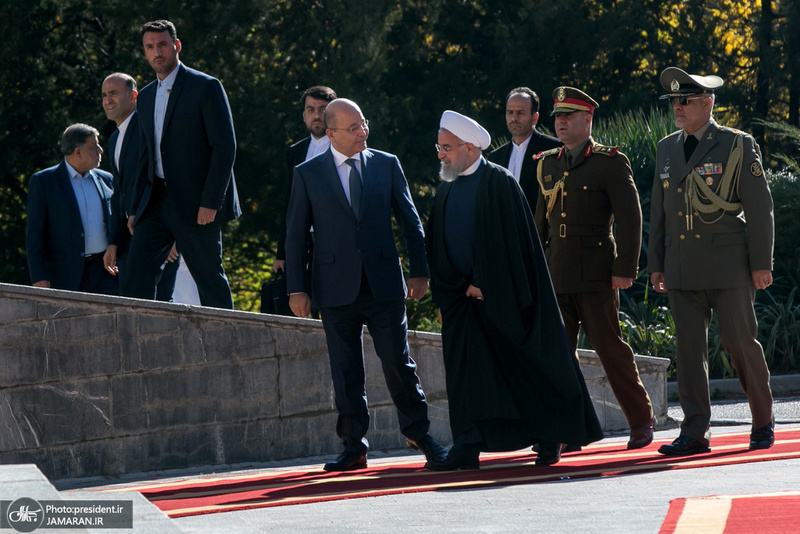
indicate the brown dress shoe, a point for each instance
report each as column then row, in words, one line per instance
column 642, row 436
column 684, row 446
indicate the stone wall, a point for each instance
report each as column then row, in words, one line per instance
column 93, row 385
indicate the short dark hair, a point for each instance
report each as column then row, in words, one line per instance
column 320, row 92
column 527, row 92
column 130, row 83
column 159, row 26
column 76, row 135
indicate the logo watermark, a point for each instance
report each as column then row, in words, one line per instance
column 28, row 515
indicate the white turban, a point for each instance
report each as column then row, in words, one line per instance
column 465, row 129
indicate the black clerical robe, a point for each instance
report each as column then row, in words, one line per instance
column 510, row 370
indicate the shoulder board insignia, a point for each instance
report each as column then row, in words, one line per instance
column 551, row 152
column 605, row 150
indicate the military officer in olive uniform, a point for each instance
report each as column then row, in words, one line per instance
column 711, row 239
column 584, row 188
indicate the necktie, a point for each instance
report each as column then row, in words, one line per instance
column 355, row 187
column 689, row 145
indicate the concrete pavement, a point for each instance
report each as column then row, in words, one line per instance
column 622, row 504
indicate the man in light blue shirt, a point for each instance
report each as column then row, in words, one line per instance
column 69, row 219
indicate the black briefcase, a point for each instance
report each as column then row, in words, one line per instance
column 274, row 299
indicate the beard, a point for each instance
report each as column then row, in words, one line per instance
column 448, row 174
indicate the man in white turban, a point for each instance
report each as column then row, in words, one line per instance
column 512, row 379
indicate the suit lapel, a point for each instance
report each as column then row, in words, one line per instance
column 130, row 132
column 112, row 149
column 703, row 147
column 334, row 183
column 368, row 177
column 67, row 191
column 174, row 93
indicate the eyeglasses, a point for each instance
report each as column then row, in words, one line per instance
column 446, row 148
column 684, row 100
column 364, row 126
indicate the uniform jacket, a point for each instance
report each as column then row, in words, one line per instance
column 198, row 147
column 581, row 250
column 124, row 180
column 55, row 238
column 694, row 254
column 346, row 244
column 527, row 176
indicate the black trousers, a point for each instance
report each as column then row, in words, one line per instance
column 200, row 245
column 388, row 327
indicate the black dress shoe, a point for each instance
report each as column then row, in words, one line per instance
column 432, row 449
column 642, row 436
column 348, row 461
column 463, row 457
column 550, row 453
column 764, row 437
column 684, row 446
column 566, row 448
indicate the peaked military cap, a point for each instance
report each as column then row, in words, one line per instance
column 681, row 83
column 569, row 100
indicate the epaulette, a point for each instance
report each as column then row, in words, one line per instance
column 605, row 150
column 734, row 131
column 551, row 152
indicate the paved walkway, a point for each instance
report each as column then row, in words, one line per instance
column 623, row 504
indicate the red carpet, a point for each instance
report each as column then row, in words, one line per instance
column 296, row 486
column 771, row 513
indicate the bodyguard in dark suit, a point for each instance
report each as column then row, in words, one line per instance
column 69, row 219
column 186, row 189
column 590, row 224
column 314, row 101
column 522, row 114
column 119, row 94
column 349, row 194
column 711, row 240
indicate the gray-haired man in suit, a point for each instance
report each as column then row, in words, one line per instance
column 711, row 240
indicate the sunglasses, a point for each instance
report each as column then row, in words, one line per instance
column 684, row 100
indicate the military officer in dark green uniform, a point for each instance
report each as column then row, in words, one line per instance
column 711, row 239
column 585, row 188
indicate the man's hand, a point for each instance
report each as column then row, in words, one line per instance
column 42, row 283
column 620, row 282
column 205, row 215
column 476, row 292
column 300, row 304
column 761, row 279
column 173, row 253
column 657, row 279
column 130, row 223
column 417, row 287
column 110, row 260
column 279, row 265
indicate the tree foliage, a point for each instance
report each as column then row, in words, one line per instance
column 404, row 62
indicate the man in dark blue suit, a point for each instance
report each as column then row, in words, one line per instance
column 119, row 94
column 314, row 100
column 186, row 189
column 349, row 194
column 69, row 219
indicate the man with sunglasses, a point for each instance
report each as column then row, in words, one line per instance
column 711, row 240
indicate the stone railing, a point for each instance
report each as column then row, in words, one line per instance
column 93, row 385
